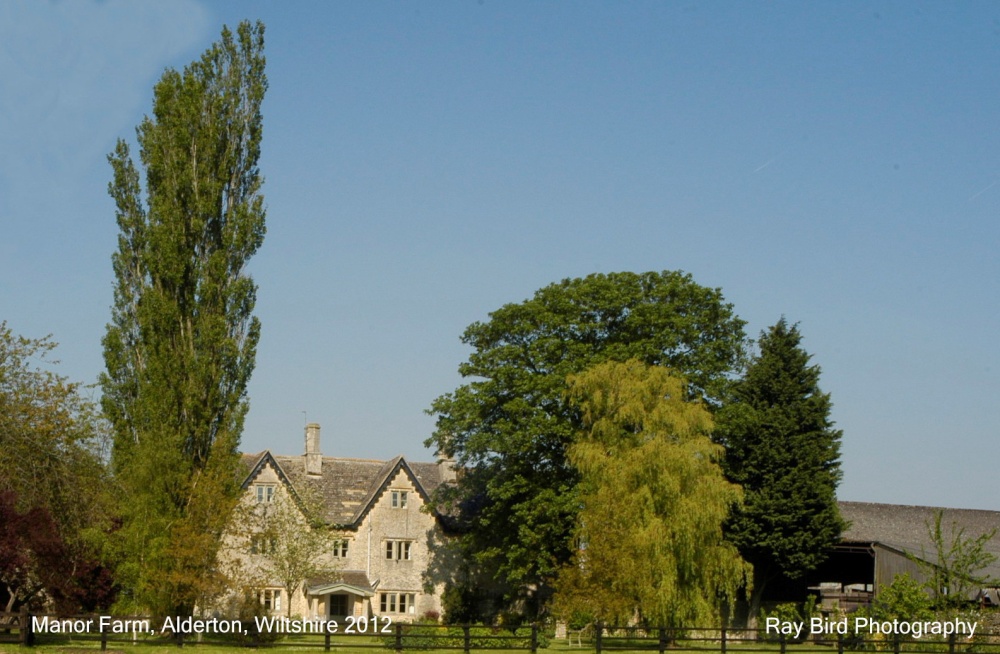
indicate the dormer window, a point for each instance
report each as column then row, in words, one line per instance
column 398, row 500
column 265, row 493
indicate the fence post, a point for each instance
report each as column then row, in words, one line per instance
column 27, row 635
column 466, row 643
column 104, row 637
column 534, row 637
column 661, row 646
column 784, row 643
column 895, row 644
column 399, row 636
column 598, row 635
column 951, row 643
column 723, row 640
column 840, row 643
column 326, row 640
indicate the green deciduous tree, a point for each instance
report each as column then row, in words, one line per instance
column 781, row 447
column 51, row 437
column 954, row 570
column 52, row 476
column 280, row 543
column 654, row 500
column 180, row 347
column 509, row 427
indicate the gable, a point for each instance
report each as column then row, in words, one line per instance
column 346, row 488
column 264, row 469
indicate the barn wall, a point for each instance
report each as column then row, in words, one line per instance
column 889, row 563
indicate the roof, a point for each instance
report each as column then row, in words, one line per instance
column 347, row 488
column 350, row 581
column 906, row 528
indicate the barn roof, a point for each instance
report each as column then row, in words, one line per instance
column 906, row 528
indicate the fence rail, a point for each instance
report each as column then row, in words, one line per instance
column 744, row 641
column 32, row 629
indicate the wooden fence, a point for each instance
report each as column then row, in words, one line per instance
column 32, row 629
column 604, row 638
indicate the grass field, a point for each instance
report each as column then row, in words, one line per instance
column 445, row 640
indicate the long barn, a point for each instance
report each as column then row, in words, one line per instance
column 884, row 540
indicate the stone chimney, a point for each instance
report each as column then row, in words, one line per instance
column 446, row 467
column 314, row 458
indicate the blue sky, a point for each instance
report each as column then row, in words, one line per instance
column 425, row 163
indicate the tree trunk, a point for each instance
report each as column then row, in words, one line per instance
column 761, row 576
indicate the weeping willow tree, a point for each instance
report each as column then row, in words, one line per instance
column 653, row 498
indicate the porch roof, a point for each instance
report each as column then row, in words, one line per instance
column 354, row 582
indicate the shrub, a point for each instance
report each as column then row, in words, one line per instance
column 789, row 612
column 904, row 599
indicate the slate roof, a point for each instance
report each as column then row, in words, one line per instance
column 348, row 487
column 904, row 527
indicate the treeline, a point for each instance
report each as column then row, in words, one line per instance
column 627, row 452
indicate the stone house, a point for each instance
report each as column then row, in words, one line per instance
column 386, row 530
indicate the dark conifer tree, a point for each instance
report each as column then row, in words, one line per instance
column 782, row 448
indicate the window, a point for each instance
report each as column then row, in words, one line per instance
column 396, row 603
column 399, row 499
column 270, row 599
column 265, row 493
column 397, row 550
column 340, row 548
column 263, row 545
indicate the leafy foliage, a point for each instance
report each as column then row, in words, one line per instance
column 428, row 634
column 54, row 505
column 781, row 447
column 958, row 562
column 787, row 612
column 903, row 599
column 181, row 344
column 51, row 438
column 510, row 426
column 30, row 552
column 279, row 543
column 654, row 501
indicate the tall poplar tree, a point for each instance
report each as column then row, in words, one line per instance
column 180, row 347
column 782, row 448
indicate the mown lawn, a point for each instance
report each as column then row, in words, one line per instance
column 372, row 645
column 316, row 645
